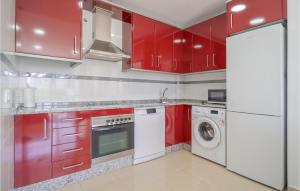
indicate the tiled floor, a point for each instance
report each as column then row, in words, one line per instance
column 179, row 171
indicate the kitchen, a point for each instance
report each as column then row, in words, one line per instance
column 110, row 93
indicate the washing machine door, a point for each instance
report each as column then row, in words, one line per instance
column 207, row 133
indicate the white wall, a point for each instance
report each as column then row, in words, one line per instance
column 7, row 20
column 199, row 91
column 294, row 94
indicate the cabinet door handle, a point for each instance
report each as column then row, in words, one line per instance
column 176, row 64
column 72, row 166
column 158, row 61
column 73, row 150
column 207, row 60
column 152, row 61
column 214, row 55
column 73, row 134
column 231, row 20
column 73, row 119
column 45, row 129
column 75, row 45
column 188, row 114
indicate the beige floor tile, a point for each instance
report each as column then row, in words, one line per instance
column 96, row 183
column 179, row 171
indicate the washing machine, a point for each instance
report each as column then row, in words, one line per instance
column 209, row 133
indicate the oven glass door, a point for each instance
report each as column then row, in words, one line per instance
column 112, row 139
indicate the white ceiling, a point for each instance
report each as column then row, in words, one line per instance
column 180, row 13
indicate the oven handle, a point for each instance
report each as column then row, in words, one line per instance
column 106, row 129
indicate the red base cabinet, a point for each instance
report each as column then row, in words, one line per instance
column 178, row 124
column 246, row 14
column 71, row 142
column 187, row 127
column 32, row 149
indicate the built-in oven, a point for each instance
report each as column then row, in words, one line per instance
column 112, row 137
column 217, row 96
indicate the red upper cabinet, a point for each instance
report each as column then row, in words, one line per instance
column 209, row 44
column 49, row 28
column 32, row 149
column 143, row 47
column 164, row 47
column 187, row 52
column 218, row 43
column 178, row 52
column 245, row 14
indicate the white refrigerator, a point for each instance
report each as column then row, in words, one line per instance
column 256, row 111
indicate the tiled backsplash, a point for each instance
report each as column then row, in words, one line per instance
column 105, row 81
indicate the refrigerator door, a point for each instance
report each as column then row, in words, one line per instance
column 256, row 147
column 256, row 71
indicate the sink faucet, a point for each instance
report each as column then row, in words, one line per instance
column 163, row 98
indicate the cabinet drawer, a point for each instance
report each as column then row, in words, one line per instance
column 71, row 165
column 71, row 134
column 70, row 150
column 70, row 119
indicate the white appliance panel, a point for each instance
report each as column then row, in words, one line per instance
column 149, row 139
column 256, row 147
column 256, row 71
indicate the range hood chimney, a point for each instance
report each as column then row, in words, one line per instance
column 102, row 48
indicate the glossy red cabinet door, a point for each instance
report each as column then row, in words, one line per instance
column 164, row 47
column 218, row 43
column 187, row 52
column 32, row 149
column 143, row 36
column 178, row 51
column 187, row 131
column 174, row 124
column 71, row 165
column 49, row 28
column 201, row 46
column 253, row 13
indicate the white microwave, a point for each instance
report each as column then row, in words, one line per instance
column 217, row 96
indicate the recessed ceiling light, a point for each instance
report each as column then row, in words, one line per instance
column 198, row 46
column 37, row 47
column 257, row 21
column 238, row 8
column 39, row 31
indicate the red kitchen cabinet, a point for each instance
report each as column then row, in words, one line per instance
column 32, row 149
column 174, row 124
column 49, row 28
column 178, row 52
column 71, row 165
column 187, row 129
column 218, row 43
column 71, row 150
column 209, row 44
column 71, row 119
column 143, row 47
column 164, row 47
column 187, row 52
column 71, row 134
column 246, row 14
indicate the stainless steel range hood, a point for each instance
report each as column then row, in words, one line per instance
column 102, row 47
